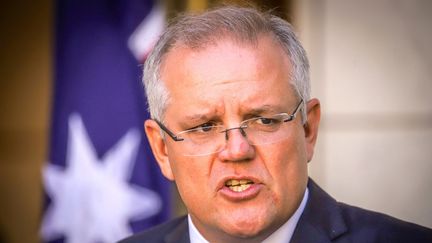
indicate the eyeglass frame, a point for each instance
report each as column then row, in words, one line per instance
column 176, row 138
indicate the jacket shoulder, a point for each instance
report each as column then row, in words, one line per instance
column 160, row 233
column 326, row 219
column 363, row 223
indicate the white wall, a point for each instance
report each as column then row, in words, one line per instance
column 372, row 70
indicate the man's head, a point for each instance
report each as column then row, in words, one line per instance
column 211, row 73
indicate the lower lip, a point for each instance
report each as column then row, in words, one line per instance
column 247, row 194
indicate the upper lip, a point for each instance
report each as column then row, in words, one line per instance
column 223, row 180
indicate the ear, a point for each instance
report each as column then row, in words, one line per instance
column 311, row 126
column 158, row 146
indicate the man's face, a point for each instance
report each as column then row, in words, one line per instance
column 227, row 83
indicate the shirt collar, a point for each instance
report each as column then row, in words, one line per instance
column 194, row 235
column 283, row 234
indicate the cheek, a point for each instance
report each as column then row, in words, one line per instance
column 191, row 178
column 288, row 157
column 288, row 170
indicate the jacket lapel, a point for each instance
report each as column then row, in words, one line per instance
column 180, row 234
column 321, row 220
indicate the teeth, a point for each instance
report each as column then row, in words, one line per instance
column 238, row 185
column 243, row 182
column 239, row 188
column 233, row 183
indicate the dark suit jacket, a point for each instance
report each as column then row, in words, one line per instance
column 323, row 220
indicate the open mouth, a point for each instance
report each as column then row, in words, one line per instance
column 238, row 185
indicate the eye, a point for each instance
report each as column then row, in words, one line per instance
column 267, row 121
column 206, row 127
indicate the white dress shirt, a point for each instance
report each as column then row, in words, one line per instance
column 283, row 234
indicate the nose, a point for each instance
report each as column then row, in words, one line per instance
column 237, row 147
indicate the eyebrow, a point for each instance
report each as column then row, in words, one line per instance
column 196, row 116
column 263, row 110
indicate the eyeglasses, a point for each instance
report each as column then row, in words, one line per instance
column 209, row 138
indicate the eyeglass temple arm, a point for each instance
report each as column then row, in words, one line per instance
column 171, row 134
column 293, row 115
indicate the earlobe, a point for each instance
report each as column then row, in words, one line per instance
column 158, row 146
column 311, row 126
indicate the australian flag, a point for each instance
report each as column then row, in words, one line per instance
column 101, row 181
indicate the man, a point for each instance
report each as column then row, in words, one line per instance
column 234, row 126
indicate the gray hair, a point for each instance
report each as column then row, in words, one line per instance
column 242, row 24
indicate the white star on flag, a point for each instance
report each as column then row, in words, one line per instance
column 92, row 200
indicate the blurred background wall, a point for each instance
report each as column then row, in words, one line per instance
column 371, row 68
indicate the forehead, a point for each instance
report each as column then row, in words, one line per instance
column 228, row 71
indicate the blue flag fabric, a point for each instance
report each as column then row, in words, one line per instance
column 101, row 182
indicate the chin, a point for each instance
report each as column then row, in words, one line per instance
column 245, row 227
column 244, row 231
column 251, row 233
